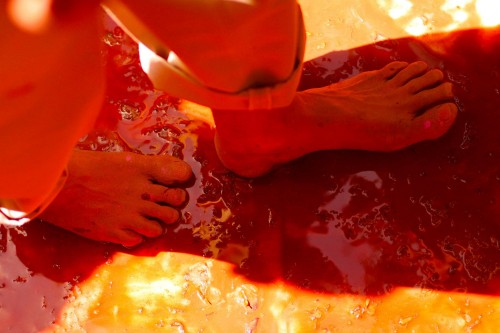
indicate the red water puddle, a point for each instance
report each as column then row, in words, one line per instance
column 331, row 222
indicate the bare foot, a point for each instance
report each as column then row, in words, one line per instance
column 383, row 110
column 119, row 197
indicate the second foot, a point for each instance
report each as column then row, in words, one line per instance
column 120, row 198
column 382, row 110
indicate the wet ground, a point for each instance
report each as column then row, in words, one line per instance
column 343, row 241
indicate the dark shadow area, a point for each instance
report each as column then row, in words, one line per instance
column 338, row 221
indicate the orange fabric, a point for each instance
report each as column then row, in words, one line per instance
column 222, row 54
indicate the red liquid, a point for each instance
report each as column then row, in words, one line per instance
column 340, row 222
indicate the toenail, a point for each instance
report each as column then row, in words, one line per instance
column 445, row 114
column 146, row 196
column 422, row 64
column 178, row 194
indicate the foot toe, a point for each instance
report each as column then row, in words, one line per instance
column 128, row 238
column 411, row 71
column 168, row 170
column 429, row 97
column 428, row 80
column 391, row 69
column 144, row 226
column 434, row 122
column 170, row 196
column 165, row 214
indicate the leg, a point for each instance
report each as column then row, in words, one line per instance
column 382, row 110
column 119, row 197
column 50, row 92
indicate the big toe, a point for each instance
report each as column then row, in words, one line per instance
column 168, row 170
column 435, row 122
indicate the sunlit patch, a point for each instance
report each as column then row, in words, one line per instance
column 146, row 289
column 82, row 302
column 396, row 8
column 197, row 112
column 175, row 292
column 457, row 9
column 280, row 299
column 456, row 5
column 489, row 12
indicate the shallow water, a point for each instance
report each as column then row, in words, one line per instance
column 344, row 240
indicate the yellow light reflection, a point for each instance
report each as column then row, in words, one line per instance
column 148, row 289
column 457, row 9
column 340, row 25
column 489, row 12
column 418, row 26
column 396, row 8
column 182, row 292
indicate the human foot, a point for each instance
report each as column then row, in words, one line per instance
column 119, row 197
column 383, row 110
